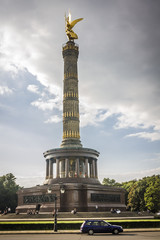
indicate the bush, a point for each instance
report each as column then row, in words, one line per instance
column 138, row 224
column 11, row 226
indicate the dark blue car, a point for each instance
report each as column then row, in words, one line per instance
column 99, row 226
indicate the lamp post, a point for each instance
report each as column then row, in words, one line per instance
column 62, row 190
column 55, row 210
column 55, row 213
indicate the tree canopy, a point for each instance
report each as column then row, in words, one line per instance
column 141, row 195
column 152, row 194
column 110, row 182
column 8, row 190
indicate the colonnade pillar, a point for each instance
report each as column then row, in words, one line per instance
column 66, row 167
column 86, row 167
column 77, row 167
column 93, row 173
column 57, row 168
column 91, row 168
column 96, row 169
column 50, row 168
column 47, row 168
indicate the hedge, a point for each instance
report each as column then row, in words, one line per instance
column 74, row 225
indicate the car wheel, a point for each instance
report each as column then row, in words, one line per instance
column 90, row 232
column 115, row 231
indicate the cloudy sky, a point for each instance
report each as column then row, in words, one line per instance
column 119, row 84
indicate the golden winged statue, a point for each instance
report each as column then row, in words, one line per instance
column 69, row 25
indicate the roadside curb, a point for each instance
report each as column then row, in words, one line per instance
column 142, row 230
column 75, row 231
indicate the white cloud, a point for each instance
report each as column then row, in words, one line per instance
column 131, row 116
column 30, row 49
column 33, row 88
column 5, row 90
column 92, row 114
column 48, row 100
column 88, row 114
column 54, row 119
column 49, row 104
column 11, row 54
column 152, row 136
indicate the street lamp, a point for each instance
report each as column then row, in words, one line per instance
column 62, row 190
column 55, row 210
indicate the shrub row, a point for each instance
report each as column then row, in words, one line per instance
column 138, row 224
column 20, row 226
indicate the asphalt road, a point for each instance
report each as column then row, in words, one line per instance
column 122, row 236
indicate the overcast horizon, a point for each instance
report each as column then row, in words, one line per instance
column 119, row 85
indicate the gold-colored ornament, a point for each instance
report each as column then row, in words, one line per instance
column 69, row 25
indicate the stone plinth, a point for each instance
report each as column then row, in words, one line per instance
column 83, row 197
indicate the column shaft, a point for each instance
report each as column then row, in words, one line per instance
column 50, row 168
column 47, row 168
column 86, row 168
column 96, row 169
column 57, row 168
column 90, row 170
column 66, row 167
column 77, row 167
column 93, row 168
column 71, row 133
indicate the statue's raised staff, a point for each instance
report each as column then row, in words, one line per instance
column 69, row 25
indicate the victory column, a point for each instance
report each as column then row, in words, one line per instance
column 71, row 170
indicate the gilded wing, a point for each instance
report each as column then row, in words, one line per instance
column 74, row 22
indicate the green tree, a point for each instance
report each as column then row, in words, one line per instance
column 136, row 195
column 110, row 182
column 8, row 189
column 128, row 186
column 141, row 194
column 152, row 194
